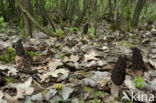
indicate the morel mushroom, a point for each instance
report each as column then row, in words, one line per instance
column 118, row 75
column 22, row 63
column 19, row 50
column 137, row 61
column 85, row 30
column 20, row 54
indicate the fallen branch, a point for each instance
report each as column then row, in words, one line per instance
column 33, row 20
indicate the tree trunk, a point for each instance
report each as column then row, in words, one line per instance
column 33, row 20
column 83, row 13
column 138, row 8
column 44, row 13
column 12, row 9
column 27, row 23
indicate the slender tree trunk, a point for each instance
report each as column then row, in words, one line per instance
column 83, row 13
column 116, row 11
column 12, row 9
column 32, row 19
column 140, row 4
column 44, row 13
column 72, row 9
column 27, row 23
column 40, row 10
column 110, row 8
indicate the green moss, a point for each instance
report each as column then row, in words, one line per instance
column 8, row 55
column 127, row 44
column 31, row 53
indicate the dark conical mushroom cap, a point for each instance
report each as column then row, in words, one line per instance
column 137, row 60
column 85, row 28
column 119, row 71
column 19, row 48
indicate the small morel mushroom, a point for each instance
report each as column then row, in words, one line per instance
column 85, row 30
column 22, row 63
column 137, row 61
column 19, row 51
column 118, row 75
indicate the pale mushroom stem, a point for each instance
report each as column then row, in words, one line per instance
column 18, row 59
column 115, row 90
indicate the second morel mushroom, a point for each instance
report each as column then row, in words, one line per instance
column 19, row 51
column 85, row 30
column 137, row 61
column 22, row 63
column 118, row 75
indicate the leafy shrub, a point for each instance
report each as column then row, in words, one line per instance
column 3, row 26
column 59, row 33
column 73, row 29
column 91, row 35
column 2, row 22
column 91, row 30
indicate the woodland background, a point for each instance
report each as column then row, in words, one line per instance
column 70, row 48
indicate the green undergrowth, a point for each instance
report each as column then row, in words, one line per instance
column 32, row 53
column 91, row 35
column 8, row 55
column 72, row 29
column 59, row 33
column 97, row 94
column 9, row 80
column 127, row 44
column 139, row 82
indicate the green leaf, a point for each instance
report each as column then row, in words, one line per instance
column 76, row 17
column 73, row 29
column 2, row 29
column 138, row 82
column 91, row 36
column 4, row 24
column 59, row 31
column 92, row 30
column 1, row 19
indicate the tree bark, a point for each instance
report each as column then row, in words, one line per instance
column 32, row 19
column 27, row 23
column 44, row 13
column 83, row 13
column 140, row 4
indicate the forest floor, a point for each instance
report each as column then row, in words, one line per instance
column 72, row 70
